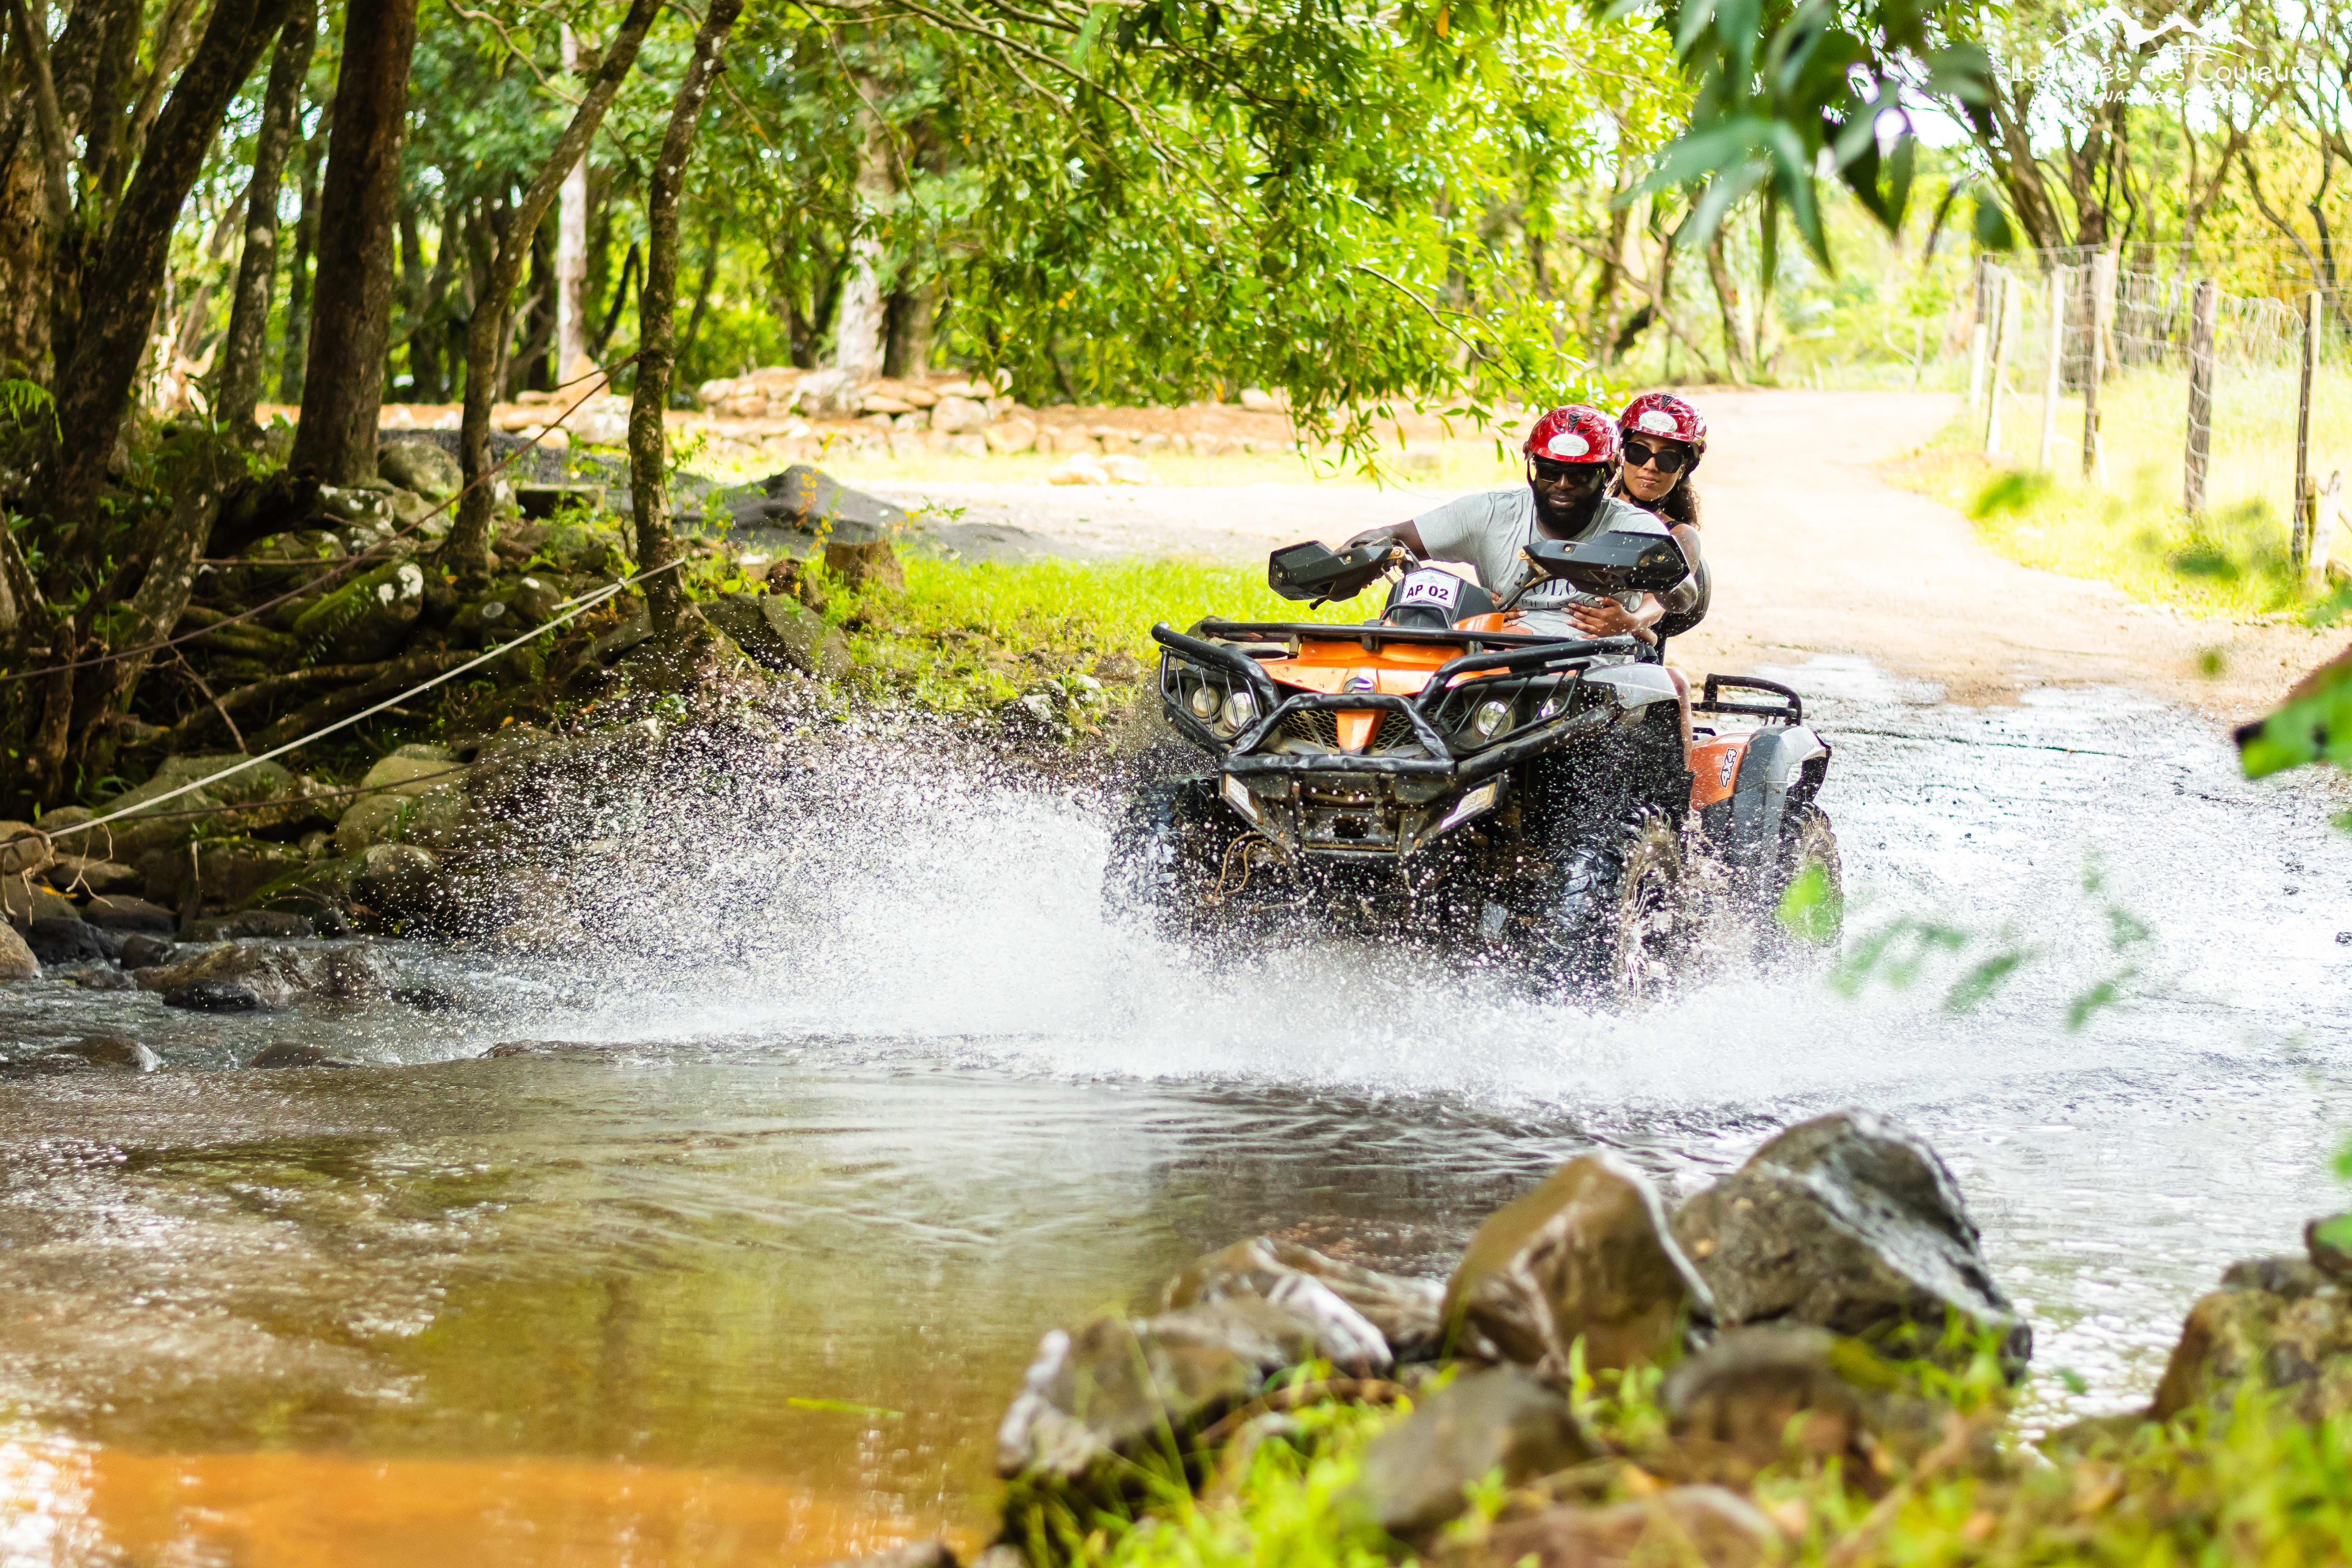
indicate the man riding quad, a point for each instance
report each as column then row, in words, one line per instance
column 1571, row 458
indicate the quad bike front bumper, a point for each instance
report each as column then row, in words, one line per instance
column 1423, row 771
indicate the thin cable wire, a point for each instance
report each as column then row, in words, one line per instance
column 585, row 603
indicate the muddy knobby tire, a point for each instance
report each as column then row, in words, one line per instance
column 1165, row 850
column 1616, row 928
column 1807, row 841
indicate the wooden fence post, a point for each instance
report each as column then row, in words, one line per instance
column 2303, row 538
column 2204, row 306
column 2053, row 367
column 2327, row 517
column 1977, row 334
column 2102, row 278
column 2003, row 329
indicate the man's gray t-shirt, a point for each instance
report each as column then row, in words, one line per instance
column 1488, row 529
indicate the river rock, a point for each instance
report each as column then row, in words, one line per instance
column 368, row 617
column 1850, row 1224
column 272, row 924
column 863, row 565
column 780, row 634
column 954, row 416
column 421, row 467
column 1416, row 1474
column 1403, row 1312
column 1773, row 1393
column 117, row 1053
column 228, row 872
column 1117, row 1384
column 2328, row 1242
column 2284, row 1275
column 2298, row 1346
column 286, row 1054
column 401, row 882
column 24, row 850
column 70, row 940
column 100, row 977
column 16, row 960
column 142, row 950
column 1586, row 1254
column 90, row 874
column 370, row 819
column 121, row 912
column 1691, row 1527
column 267, row 976
column 29, row 903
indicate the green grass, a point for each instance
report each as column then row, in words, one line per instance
column 972, row 637
column 2248, row 1486
column 2232, row 561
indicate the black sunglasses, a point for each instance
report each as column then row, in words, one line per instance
column 1640, row 457
column 1550, row 473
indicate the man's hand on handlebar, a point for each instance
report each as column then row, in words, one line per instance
column 1404, row 533
column 1610, row 619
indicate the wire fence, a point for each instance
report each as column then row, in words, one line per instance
column 2166, row 391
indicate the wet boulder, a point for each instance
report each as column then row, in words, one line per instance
column 1403, row 1312
column 290, row 1054
column 263, row 976
column 1778, row 1394
column 780, row 634
column 276, row 924
column 1850, row 1224
column 144, row 950
column 1692, row 1527
column 1416, row 1476
column 123, row 915
column 1588, row 1255
column 70, row 940
column 1118, row 1385
column 113, row 1053
column 2329, row 1244
column 24, row 850
column 2273, row 1327
column 420, row 467
column 27, row 903
column 367, row 618
column 87, row 873
column 16, row 960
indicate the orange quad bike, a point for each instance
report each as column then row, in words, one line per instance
column 1445, row 770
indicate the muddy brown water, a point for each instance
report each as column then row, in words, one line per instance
column 867, row 1110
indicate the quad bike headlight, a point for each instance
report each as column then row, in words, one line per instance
column 1203, row 703
column 1490, row 719
column 1239, row 709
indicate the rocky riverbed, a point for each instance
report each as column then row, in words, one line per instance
column 1823, row 1311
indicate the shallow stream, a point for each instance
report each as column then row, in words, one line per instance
column 877, row 1104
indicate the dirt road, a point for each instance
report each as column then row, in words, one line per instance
column 1813, row 553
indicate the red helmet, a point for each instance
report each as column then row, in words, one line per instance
column 1575, row 434
column 1663, row 413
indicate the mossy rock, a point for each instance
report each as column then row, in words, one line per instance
column 367, row 618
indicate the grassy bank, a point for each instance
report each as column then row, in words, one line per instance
column 961, row 638
column 2233, row 562
column 2248, row 1487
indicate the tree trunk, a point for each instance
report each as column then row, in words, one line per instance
column 701, row 294
column 468, row 544
column 656, row 324
column 857, row 327
column 119, row 292
column 298, row 273
column 570, row 249
column 257, row 269
column 910, row 313
column 1735, row 346
column 342, row 383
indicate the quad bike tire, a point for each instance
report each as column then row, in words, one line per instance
column 1166, row 850
column 1614, row 928
column 1807, row 843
